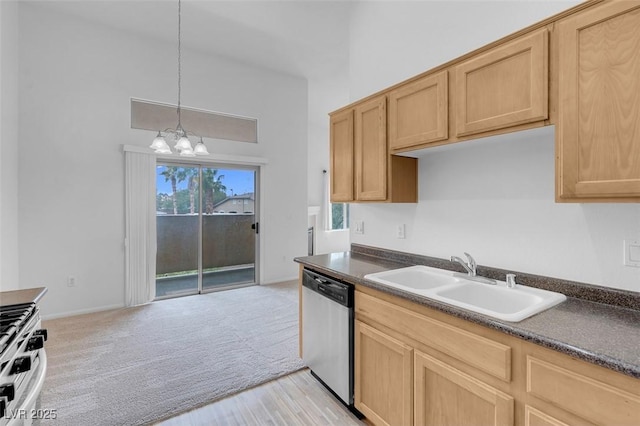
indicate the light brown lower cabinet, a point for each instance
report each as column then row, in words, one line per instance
column 418, row 366
column 394, row 382
column 447, row 396
column 534, row 417
column 555, row 384
column 384, row 377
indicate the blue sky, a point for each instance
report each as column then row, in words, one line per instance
column 240, row 181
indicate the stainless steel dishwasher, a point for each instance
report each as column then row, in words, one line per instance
column 327, row 333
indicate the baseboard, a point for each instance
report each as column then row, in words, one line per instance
column 81, row 312
column 280, row 280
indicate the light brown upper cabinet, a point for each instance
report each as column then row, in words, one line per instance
column 371, row 149
column 598, row 133
column 505, row 86
column 361, row 167
column 418, row 112
column 341, row 156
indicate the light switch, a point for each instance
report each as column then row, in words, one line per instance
column 400, row 232
column 632, row 253
column 359, row 226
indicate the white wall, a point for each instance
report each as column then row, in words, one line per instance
column 9, row 142
column 328, row 91
column 493, row 198
column 76, row 79
column 391, row 41
column 325, row 95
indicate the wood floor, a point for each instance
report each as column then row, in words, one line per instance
column 296, row 399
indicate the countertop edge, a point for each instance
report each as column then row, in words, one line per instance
column 21, row 296
column 602, row 360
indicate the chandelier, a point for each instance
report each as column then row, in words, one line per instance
column 183, row 144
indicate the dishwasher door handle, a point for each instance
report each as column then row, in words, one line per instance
column 323, row 286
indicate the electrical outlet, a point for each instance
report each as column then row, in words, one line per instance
column 71, row 281
column 632, row 253
column 359, row 226
column 400, row 232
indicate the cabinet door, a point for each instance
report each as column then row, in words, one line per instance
column 371, row 150
column 341, row 153
column 533, row 417
column 598, row 135
column 447, row 396
column 383, row 377
column 418, row 112
column 504, row 87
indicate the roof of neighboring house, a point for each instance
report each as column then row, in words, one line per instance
column 247, row 196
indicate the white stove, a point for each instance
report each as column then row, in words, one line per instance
column 23, row 363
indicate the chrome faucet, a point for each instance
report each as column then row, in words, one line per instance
column 470, row 265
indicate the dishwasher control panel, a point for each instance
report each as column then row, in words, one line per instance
column 337, row 291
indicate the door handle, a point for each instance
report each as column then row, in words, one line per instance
column 256, row 226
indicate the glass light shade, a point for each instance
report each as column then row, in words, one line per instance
column 200, row 148
column 159, row 142
column 183, row 144
column 160, row 146
column 187, row 152
column 164, row 150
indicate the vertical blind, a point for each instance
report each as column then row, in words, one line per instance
column 140, row 228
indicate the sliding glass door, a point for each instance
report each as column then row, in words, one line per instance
column 228, row 230
column 206, row 226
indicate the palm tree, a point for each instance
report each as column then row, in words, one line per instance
column 193, row 186
column 170, row 173
column 190, row 174
column 211, row 185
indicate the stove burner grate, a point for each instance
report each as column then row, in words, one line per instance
column 12, row 319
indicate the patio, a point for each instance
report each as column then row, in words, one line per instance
column 188, row 284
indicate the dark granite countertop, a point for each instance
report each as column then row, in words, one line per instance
column 603, row 334
column 18, row 297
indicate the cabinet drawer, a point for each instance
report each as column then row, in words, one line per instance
column 486, row 355
column 504, row 87
column 583, row 396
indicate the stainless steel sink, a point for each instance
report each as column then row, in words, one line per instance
column 497, row 301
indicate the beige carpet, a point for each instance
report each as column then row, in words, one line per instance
column 137, row 365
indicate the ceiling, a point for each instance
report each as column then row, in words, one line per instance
column 300, row 37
